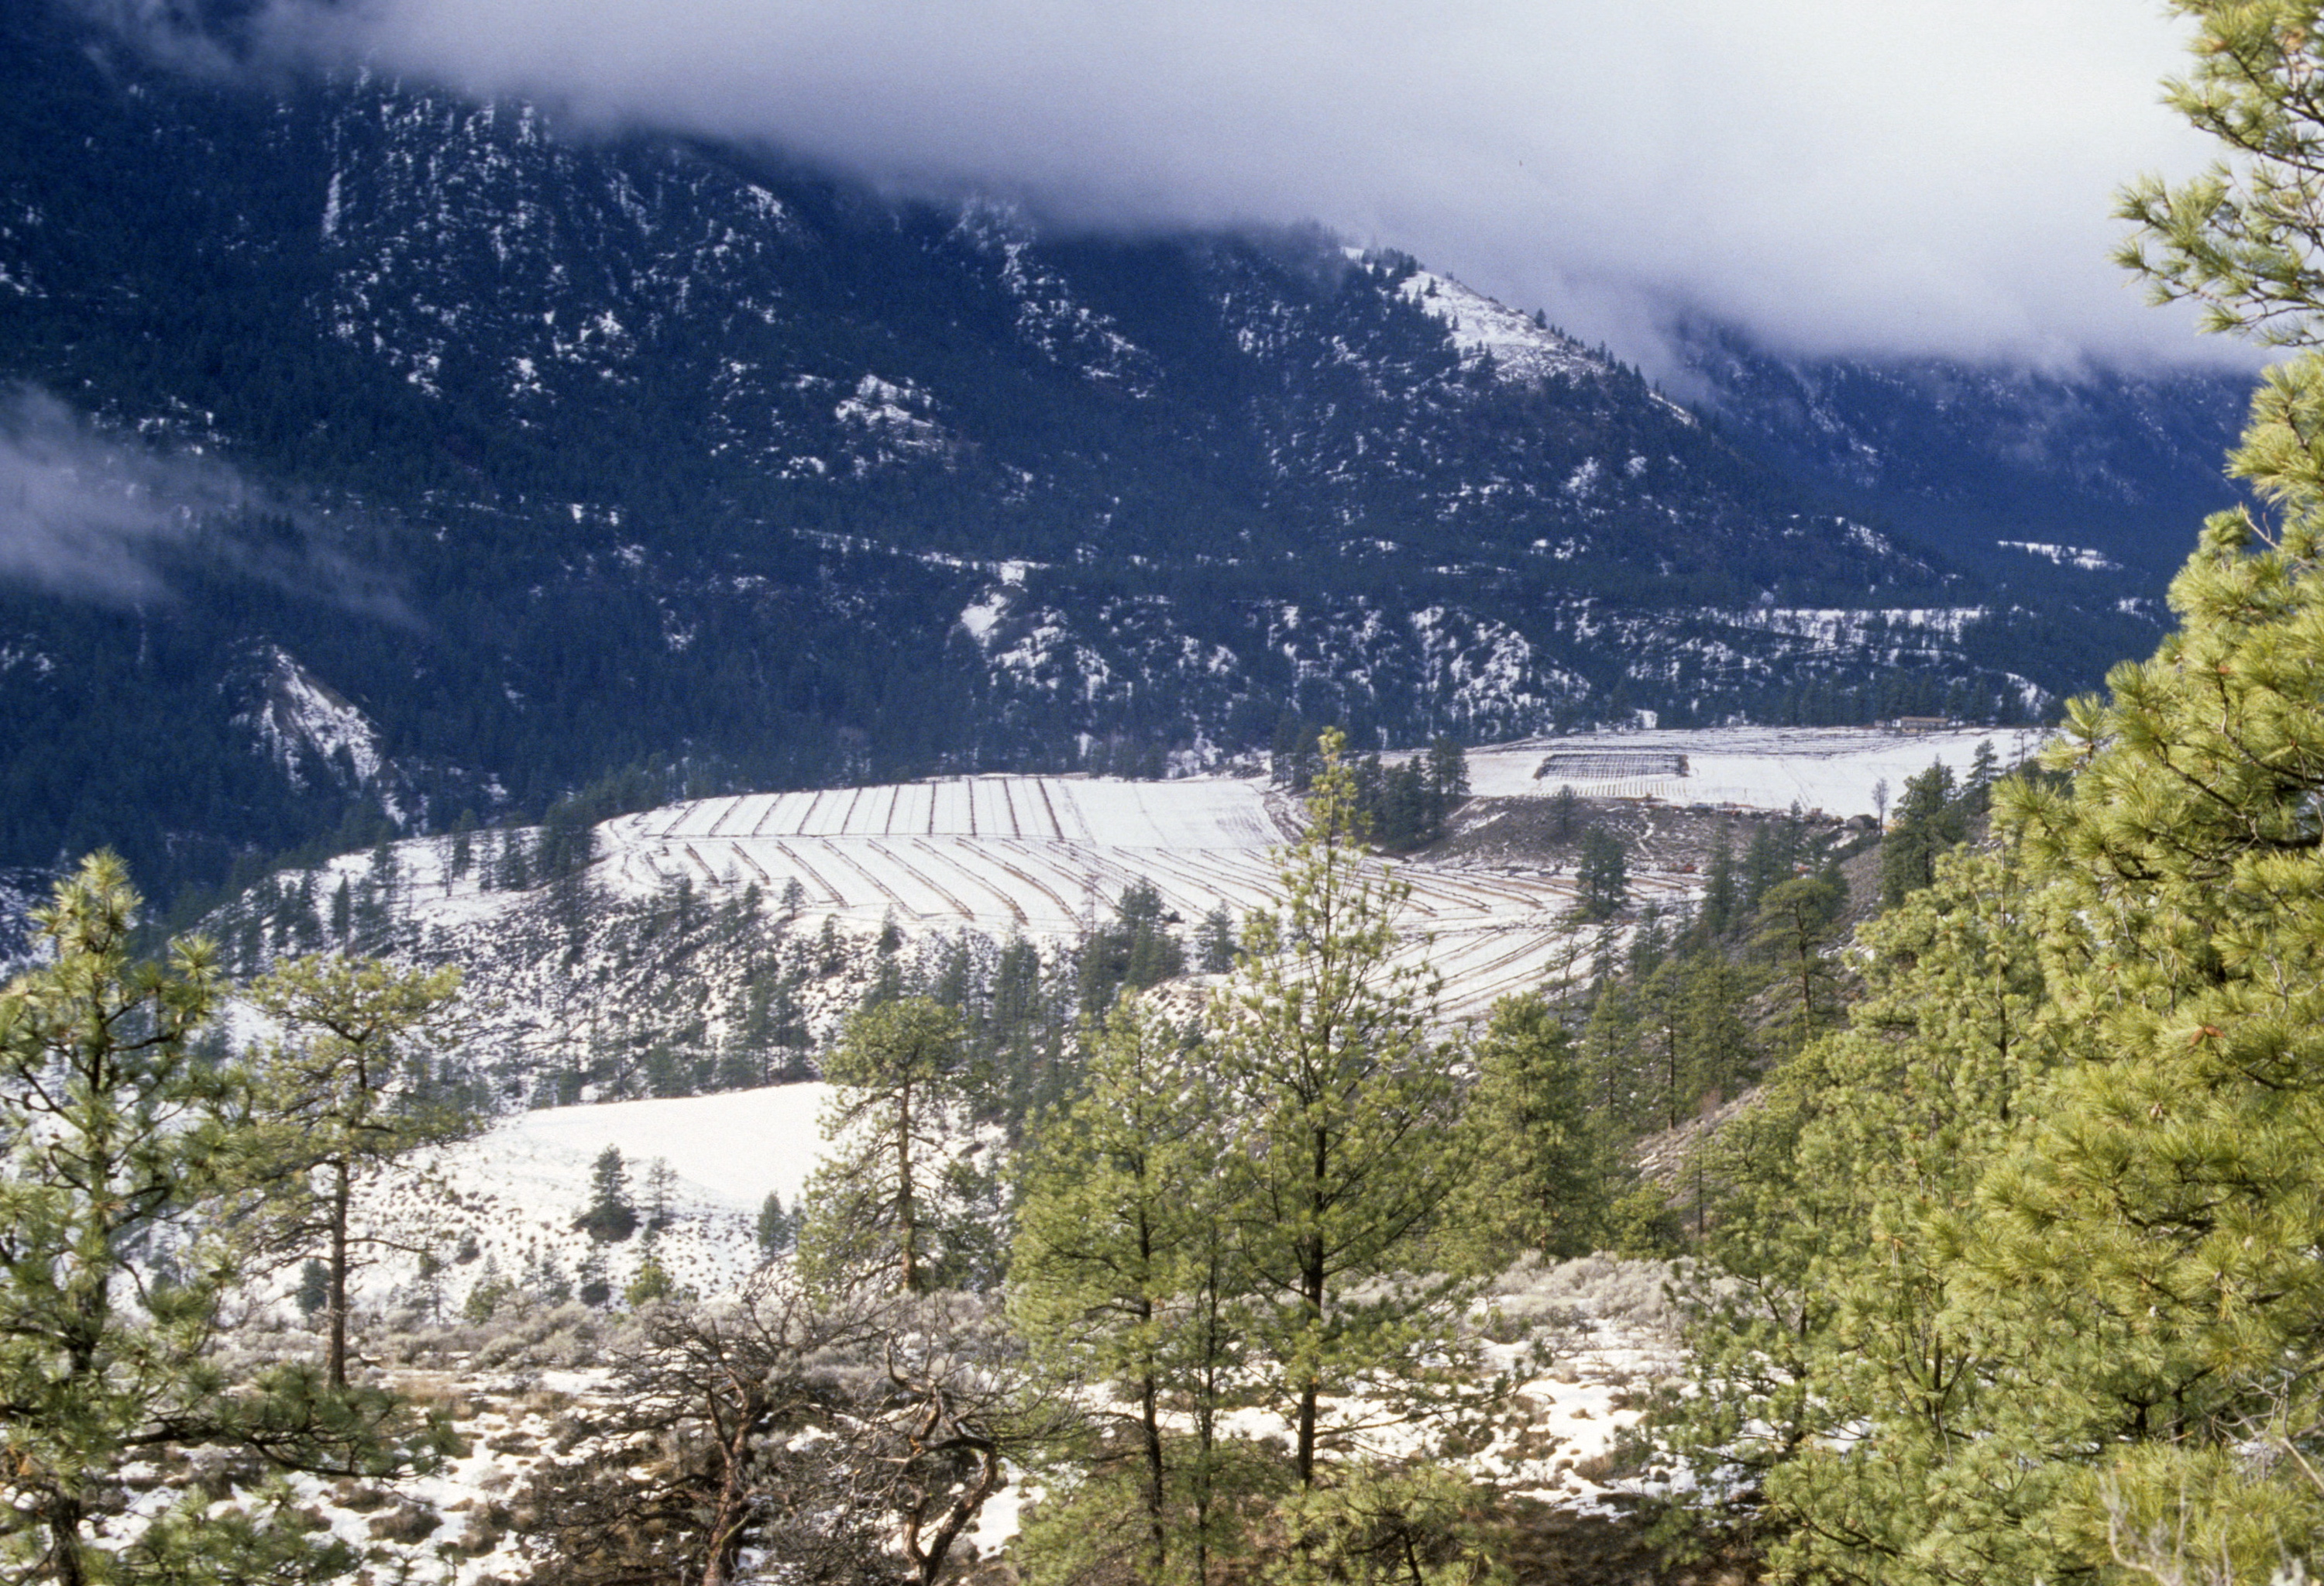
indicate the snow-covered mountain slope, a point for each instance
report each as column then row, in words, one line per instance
column 508, row 1201
column 716, row 943
column 688, row 919
column 1965, row 453
column 571, row 455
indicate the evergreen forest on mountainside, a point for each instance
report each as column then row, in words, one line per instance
column 1923, row 1198
column 481, row 467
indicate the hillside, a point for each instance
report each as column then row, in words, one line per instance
column 716, row 943
column 390, row 456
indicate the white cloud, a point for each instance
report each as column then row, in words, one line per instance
column 83, row 514
column 1884, row 175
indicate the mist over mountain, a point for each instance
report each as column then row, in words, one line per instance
column 554, row 458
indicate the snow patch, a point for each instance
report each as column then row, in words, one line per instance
column 1522, row 350
column 2083, row 557
column 298, row 716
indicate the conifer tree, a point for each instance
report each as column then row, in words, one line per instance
column 1837, row 1364
column 2054, row 1308
column 776, row 1228
column 1543, row 1173
column 877, row 1207
column 1721, row 894
column 1348, row 1149
column 337, row 1093
column 2169, row 1199
column 1600, row 877
column 106, row 1112
column 1792, row 933
column 610, row 1215
column 1929, row 821
column 120, row 1136
column 1115, row 1279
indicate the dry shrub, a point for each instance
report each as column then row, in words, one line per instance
column 408, row 1523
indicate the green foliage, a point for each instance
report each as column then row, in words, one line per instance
column 1932, row 817
column 1135, row 950
column 1120, row 1281
column 488, row 1294
column 109, row 1119
column 610, row 1215
column 1601, row 876
column 2018, row 1276
column 1839, row 1365
column 777, row 1229
column 593, row 1287
column 1349, row 1149
column 652, row 1282
column 2168, row 1193
column 1669, row 1035
column 340, row 1091
column 1379, row 1524
column 2242, row 239
column 886, row 1204
column 1543, row 1173
column 1404, row 806
column 124, row 1157
column 1792, row 932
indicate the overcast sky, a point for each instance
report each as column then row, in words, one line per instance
column 1867, row 175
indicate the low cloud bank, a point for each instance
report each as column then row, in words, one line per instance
column 1913, row 177
column 83, row 514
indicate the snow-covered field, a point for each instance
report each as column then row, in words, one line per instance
column 519, row 1187
column 1045, row 856
column 1834, row 769
column 1048, row 856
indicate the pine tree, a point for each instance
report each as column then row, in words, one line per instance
column 1792, row 932
column 877, row 1205
column 2076, row 1320
column 1721, row 895
column 1601, row 876
column 610, row 1215
column 776, row 1228
column 335, row 1095
column 652, row 1281
column 121, row 1134
column 103, row 1104
column 593, row 1286
column 1929, row 821
column 1543, row 1174
column 2169, row 1199
column 1841, row 1360
column 1215, row 943
column 1349, row 1150
column 1114, row 1275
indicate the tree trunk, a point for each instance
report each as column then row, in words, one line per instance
column 907, row 1224
column 1310, row 1391
column 342, row 1194
column 1157, row 1520
column 731, row 1510
column 65, row 1542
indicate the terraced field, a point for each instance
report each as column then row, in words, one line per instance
column 1046, row 856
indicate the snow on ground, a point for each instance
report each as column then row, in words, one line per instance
column 519, row 1187
column 1834, row 769
column 1048, row 856
column 728, row 1150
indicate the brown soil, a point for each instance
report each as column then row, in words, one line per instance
column 1523, row 833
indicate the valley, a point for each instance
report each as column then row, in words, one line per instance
column 1041, row 847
